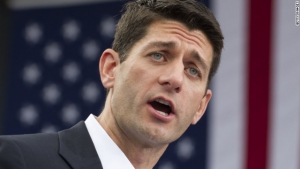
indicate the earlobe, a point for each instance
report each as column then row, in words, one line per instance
column 202, row 107
column 107, row 64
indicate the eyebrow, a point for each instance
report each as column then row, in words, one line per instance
column 160, row 44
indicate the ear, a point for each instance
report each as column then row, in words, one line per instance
column 107, row 66
column 202, row 106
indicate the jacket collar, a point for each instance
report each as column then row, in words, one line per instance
column 77, row 148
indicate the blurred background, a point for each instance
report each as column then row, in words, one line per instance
column 49, row 80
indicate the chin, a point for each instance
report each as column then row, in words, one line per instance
column 157, row 136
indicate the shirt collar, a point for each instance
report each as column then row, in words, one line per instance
column 111, row 156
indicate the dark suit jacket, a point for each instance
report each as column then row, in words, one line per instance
column 68, row 149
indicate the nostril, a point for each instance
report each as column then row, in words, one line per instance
column 177, row 89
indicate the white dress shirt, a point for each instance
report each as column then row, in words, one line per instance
column 111, row 156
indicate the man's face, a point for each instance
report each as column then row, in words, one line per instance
column 159, row 90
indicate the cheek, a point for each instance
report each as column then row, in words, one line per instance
column 193, row 93
column 141, row 76
column 133, row 81
column 191, row 101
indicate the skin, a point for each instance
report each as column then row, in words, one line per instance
column 170, row 62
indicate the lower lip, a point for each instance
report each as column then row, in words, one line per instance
column 168, row 118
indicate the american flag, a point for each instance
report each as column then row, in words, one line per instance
column 253, row 120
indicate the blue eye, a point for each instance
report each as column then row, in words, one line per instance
column 193, row 71
column 157, row 56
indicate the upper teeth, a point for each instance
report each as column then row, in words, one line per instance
column 163, row 102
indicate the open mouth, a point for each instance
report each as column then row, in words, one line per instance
column 161, row 106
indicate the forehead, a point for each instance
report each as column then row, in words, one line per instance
column 177, row 35
column 177, row 29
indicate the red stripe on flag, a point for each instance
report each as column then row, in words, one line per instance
column 259, row 54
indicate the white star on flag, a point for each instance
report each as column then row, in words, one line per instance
column 31, row 74
column 52, row 52
column 185, row 148
column 107, row 27
column 51, row 94
column 71, row 30
column 167, row 165
column 28, row 115
column 70, row 114
column 48, row 128
column 90, row 50
column 71, row 72
column 90, row 92
column 33, row 33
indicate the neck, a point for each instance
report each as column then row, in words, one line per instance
column 141, row 153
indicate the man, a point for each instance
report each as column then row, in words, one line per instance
column 157, row 73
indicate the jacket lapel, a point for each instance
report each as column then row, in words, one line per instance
column 77, row 148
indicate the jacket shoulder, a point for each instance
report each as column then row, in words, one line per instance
column 32, row 143
column 29, row 150
column 10, row 154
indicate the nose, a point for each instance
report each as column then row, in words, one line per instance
column 172, row 77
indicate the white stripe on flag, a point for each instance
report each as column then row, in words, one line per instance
column 285, row 104
column 227, row 118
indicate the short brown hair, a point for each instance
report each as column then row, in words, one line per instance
column 140, row 14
